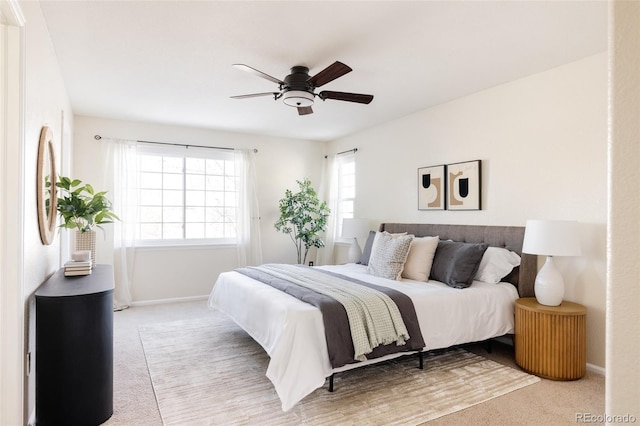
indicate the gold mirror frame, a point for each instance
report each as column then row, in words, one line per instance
column 47, row 196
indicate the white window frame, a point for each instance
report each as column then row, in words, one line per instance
column 185, row 152
column 346, row 188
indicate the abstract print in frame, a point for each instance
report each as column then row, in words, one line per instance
column 431, row 188
column 464, row 185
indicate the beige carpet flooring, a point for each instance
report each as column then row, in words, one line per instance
column 546, row 402
column 209, row 371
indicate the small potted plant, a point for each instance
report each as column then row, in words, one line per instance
column 303, row 217
column 82, row 209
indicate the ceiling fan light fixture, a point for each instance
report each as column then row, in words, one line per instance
column 298, row 98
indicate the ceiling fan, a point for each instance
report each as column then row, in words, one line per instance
column 297, row 89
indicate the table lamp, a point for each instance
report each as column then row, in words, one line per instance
column 354, row 229
column 551, row 238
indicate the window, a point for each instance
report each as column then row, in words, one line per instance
column 346, row 188
column 186, row 195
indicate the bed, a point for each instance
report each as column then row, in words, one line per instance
column 292, row 332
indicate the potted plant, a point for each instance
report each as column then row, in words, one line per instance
column 82, row 209
column 303, row 217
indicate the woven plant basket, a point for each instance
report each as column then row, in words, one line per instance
column 87, row 241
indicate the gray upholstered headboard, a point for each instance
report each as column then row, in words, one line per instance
column 509, row 237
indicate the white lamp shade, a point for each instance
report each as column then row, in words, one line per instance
column 552, row 238
column 355, row 228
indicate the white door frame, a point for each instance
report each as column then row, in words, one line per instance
column 12, row 301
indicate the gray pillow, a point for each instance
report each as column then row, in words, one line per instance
column 366, row 252
column 456, row 263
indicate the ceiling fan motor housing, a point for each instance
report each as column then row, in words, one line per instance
column 297, row 91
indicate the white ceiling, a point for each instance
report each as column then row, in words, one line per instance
column 170, row 61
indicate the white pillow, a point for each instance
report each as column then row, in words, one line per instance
column 420, row 257
column 388, row 255
column 496, row 264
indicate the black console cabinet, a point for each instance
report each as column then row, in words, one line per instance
column 74, row 348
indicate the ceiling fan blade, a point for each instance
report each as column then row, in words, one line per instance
column 305, row 110
column 255, row 95
column 330, row 73
column 259, row 73
column 344, row 96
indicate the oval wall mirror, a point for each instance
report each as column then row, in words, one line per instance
column 46, row 189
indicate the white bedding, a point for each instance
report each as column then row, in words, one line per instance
column 292, row 332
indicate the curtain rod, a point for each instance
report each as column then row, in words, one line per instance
column 354, row 150
column 98, row 137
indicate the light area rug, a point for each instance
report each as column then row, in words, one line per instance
column 208, row 371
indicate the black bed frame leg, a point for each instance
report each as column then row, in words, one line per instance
column 489, row 344
column 331, row 383
column 421, row 360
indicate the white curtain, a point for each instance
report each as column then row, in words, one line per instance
column 248, row 226
column 329, row 190
column 122, row 183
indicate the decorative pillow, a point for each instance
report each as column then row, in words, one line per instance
column 366, row 252
column 496, row 264
column 456, row 263
column 420, row 257
column 388, row 255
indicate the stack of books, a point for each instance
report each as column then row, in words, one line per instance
column 76, row 268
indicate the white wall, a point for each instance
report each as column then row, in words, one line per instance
column 623, row 296
column 162, row 273
column 543, row 145
column 46, row 102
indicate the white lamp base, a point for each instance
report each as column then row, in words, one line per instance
column 355, row 253
column 549, row 285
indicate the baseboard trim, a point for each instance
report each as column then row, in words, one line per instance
column 164, row 301
column 596, row 369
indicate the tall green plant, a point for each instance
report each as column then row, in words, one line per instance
column 80, row 207
column 303, row 217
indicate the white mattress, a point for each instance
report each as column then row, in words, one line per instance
column 292, row 332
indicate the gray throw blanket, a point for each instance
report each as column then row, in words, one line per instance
column 361, row 320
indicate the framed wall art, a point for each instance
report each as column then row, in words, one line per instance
column 464, row 184
column 431, row 188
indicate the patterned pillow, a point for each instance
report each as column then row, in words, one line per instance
column 388, row 254
column 366, row 251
